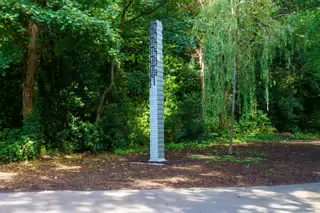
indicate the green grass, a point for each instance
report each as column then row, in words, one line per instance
column 234, row 159
column 245, row 156
column 139, row 150
column 276, row 138
column 194, row 157
column 251, row 153
column 180, row 146
column 176, row 147
column 305, row 136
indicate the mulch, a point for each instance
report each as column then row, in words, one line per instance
column 282, row 163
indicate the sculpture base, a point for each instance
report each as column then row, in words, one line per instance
column 158, row 161
column 149, row 163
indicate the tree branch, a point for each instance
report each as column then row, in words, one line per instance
column 104, row 95
column 124, row 14
column 147, row 12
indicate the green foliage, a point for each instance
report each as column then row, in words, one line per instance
column 80, row 136
column 242, row 36
column 24, row 143
column 140, row 150
column 22, row 149
column 79, row 42
column 261, row 137
column 183, row 145
column 175, row 147
column 305, row 136
column 251, row 153
column 194, row 157
column 115, row 128
column 10, row 102
column 186, row 123
column 257, row 126
column 295, row 96
column 183, row 108
column 234, row 159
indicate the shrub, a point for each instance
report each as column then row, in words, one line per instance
column 23, row 143
column 80, row 136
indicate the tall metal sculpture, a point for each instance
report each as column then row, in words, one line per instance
column 156, row 93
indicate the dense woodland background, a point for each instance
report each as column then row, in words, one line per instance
column 75, row 73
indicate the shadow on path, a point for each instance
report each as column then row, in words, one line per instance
column 278, row 199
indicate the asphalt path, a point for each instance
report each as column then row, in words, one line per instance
column 302, row 198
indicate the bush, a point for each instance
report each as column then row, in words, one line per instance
column 23, row 149
column 80, row 136
column 24, row 143
column 186, row 123
column 114, row 127
column 256, row 123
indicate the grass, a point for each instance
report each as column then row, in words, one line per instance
column 245, row 156
column 251, row 153
column 139, row 150
column 180, row 146
column 175, row 147
column 305, row 136
column 194, row 157
column 260, row 137
column 196, row 145
column 234, row 159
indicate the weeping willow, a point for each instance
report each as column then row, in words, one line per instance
column 240, row 36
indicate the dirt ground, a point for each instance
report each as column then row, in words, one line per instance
column 256, row 164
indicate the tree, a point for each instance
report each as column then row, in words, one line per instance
column 294, row 102
column 67, row 17
column 240, row 41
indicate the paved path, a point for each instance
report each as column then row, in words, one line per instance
column 279, row 199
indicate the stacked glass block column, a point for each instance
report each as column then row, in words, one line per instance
column 156, row 93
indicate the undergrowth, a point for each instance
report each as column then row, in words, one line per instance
column 196, row 145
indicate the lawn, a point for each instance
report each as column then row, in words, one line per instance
column 254, row 164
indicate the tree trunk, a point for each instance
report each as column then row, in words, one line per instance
column 202, row 74
column 32, row 66
column 104, row 95
column 233, row 104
